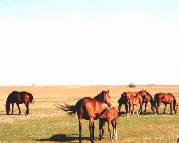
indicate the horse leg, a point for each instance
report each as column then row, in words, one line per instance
column 129, row 109
column 141, row 108
column 115, row 128
column 91, row 128
column 171, row 108
column 158, row 105
column 119, row 109
column 145, row 107
column 137, row 110
column 18, row 108
column 126, row 108
column 133, row 110
column 101, row 129
column 164, row 108
column 80, row 129
column 109, row 128
column 12, row 108
column 27, row 109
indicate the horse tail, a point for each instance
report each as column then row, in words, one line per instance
column 72, row 109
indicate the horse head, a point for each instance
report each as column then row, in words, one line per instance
column 143, row 92
column 106, row 97
column 153, row 106
column 7, row 107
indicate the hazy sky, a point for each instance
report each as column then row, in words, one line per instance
column 89, row 42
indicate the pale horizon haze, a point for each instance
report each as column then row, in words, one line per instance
column 88, row 42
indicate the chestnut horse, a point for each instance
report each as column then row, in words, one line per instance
column 88, row 108
column 109, row 115
column 18, row 98
column 165, row 98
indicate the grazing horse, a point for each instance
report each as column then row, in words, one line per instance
column 146, row 98
column 18, row 98
column 109, row 115
column 165, row 98
column 88, row 108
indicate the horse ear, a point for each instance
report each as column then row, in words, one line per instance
column 108, row 90
column 102, row 90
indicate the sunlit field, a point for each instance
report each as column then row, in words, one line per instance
column 46, row 123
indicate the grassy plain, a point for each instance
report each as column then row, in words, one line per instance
column 47, row 124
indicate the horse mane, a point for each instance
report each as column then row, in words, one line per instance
column 100, row 97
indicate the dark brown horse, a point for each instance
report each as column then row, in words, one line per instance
column 88, row 108
column 125, row 99
column 146, row 98
column 166, row 98
column 109, row 115
column 18, row 98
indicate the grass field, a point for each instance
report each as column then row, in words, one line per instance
column 47, row 124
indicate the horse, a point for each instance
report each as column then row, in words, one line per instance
column 165, row 98
column 146, row 98
column 88, row 108
column 136, row 103
column 127, row 98
column 109, row 115
column 18, row 98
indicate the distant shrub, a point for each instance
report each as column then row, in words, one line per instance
column 132, row 85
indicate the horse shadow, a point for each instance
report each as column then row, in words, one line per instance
column 63, row 138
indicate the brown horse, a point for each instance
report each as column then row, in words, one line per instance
column 109, row 115
column 165, row 98
column 146, row 98
column 127, row 98
column 88, row 108
column 18, row 98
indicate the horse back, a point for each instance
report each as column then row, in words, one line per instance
column 20, row 97
column 165, row 98
column 89, row 107
column 109, row 114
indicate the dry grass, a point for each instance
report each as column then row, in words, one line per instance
column 43, row 112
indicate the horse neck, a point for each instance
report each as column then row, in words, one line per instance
column 151, row 98
column 8, row 104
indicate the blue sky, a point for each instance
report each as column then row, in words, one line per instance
column 89, row 42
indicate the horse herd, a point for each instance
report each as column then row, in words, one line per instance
column 92, row 108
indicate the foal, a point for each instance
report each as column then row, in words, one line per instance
column 136, row 104
column 109, row 115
